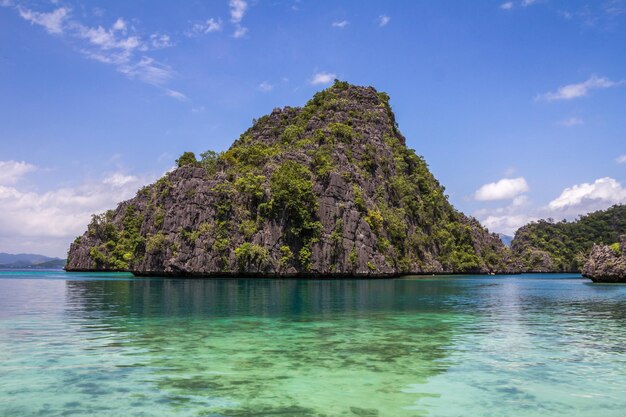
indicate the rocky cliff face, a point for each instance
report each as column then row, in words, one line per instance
column 329, row 189
column 607, row 263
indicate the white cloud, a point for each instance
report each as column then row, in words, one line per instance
column 503, row 189
column 507, row 6
column 323, row 78
column 48, row 221
column 572, row 121
column 237, row 10
column 383, row 20
column 147, row 70
column 53, row 22
column 507, row 219
column 526, row 3
column 119, row 24
column 265, row 87
column 586, row 197
column 621, row 159
column 240, row 32
column 211, row 25
column 175, row 95
column 13, row 171
column 573, row 201
column 160, row 41
column 572, row 91
column 119, row 180
column 340, row 24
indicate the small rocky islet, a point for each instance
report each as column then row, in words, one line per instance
column 607, row 263
column 326, row 190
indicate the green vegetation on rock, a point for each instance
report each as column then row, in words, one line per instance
column 562, row 246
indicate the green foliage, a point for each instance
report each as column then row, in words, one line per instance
column 123, row 246
column 251, row 257
column 305, row 258
column 359, row 201
column 209, row 160
column 368, row 160
column 155, row 243
column 251, row 186
column 615, row 247
column 187, row 158
column 159, row 217
column 190, row 236
column 352, row 258
column 568, row 244
column 248, row 228
column 323, row 162
column 371, row 266
column 249, row 157
column 293, row 198
column 291, row 134
column 341, row 131
column 223, row 201
column 286, row 255
column 374, row 219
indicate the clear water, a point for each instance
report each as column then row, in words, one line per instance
column 112, row 345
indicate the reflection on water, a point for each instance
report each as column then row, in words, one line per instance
column 445, row 346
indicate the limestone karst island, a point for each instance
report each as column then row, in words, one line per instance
column 326, row 190
column 301, row 208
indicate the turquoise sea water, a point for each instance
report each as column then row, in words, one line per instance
column 114, row 345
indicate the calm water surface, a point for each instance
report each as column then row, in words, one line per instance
column 113, row 345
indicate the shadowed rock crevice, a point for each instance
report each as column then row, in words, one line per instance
column 329, row 189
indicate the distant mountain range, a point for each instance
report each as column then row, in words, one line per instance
column 506, row 239
column 29, row 260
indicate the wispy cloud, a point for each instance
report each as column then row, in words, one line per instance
column 176, row 95
column 323, row 78
column 383, row 20
column 504, row 189
column 238, row 10
column 507, row 6
column 340, row 24
column 240, row 32
column 118, row 45
column 621, row 159
column 53, row 21
column 572, row 91
column 265, row 87
column 527, row 3
column 571, row 121
column 12, row 171
column 209, row 26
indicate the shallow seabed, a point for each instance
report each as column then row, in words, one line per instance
column 113, row 345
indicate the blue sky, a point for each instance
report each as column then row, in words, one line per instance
column 518, row 106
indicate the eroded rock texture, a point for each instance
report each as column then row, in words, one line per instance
column 607, row 263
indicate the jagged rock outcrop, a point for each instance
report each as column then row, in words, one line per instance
column 607, row 263
column 329, row 189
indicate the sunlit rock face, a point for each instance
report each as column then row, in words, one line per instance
column 607, row 263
